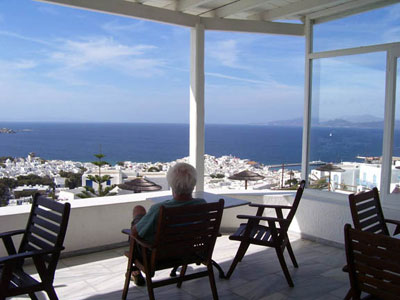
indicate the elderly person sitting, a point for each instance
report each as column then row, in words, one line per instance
column 182, row 179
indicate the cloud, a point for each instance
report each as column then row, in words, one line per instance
column 25, row 64
column 218, row 75
column 48, row 9
column 89, row 54
column 96, row 51
column 115, row 27
column 392, row 34
column 25, row 38
column 225, row 52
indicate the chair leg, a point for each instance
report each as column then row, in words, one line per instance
column 150, row 290
column 291, row 254
column 238, row 257
column 285, row 270
column 182, row 273
column 126, row 284
column 348, row 295
column 212, row 281
column 33, row 296
column 51, row 293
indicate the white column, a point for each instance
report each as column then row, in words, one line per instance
column 307, row 100
column 196, row 144
column 390, row 98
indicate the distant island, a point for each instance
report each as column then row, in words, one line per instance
column 6, row 130
column 365, row 121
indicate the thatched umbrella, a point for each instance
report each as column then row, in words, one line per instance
column 329, row 168
column 140, row 184
column 246, row 175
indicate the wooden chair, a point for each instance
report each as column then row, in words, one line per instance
column 367, row 214
column 42, row 241
column 373, row 262
column 270, row 236
column 185, row 235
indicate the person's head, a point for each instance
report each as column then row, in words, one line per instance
column 182, row 178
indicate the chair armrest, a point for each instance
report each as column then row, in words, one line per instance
column 269, row 219
column 11, row 233
column 142, row 242
column 395, row 222
column 6, row 237
column 270, row 206
column 27, row 254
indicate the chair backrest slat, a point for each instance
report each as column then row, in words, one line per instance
column 366, row 212
column 48, row 236
column 374, row 263
column 186, row 233
column 47, row 214
column 36, row 221
column 39, row 243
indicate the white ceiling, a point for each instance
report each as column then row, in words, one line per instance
column 264, row 16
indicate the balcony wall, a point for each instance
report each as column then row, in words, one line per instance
column 96, row 223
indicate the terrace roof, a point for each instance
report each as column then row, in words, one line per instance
column 233, row 15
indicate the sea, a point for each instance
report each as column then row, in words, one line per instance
column 139, row 142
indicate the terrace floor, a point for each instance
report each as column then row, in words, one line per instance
column 100, row 276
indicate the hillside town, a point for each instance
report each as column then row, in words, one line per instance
column 347, row 177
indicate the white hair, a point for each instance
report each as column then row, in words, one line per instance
column 182, row 178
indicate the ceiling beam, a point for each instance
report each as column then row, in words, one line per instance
column 237, row 7
column 187, row 4
column 349, row 9
column 253, row 26
column 184, row 5
column 298, row 8
column 132, row 9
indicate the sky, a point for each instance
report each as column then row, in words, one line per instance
column 69, row 65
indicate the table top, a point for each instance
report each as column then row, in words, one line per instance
column 209, row 197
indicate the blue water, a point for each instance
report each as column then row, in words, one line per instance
column 167, row 142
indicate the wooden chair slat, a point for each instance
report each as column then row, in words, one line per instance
column 362, row 196
column 381, row 294
column 368, row 213
column 38, row 242
column 51, row 204
column 379, row 284
column 47, row 214
column 46, row 224
column 44, row 234
column 379, row 272
column 196, row 227
column 185, row 235
column 375, row 229
column 365, row 205
column 368, row 222
column 191, row 218
column 375, row 263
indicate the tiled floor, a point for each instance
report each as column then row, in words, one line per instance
column 100, row 276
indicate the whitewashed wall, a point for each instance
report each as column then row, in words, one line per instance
column 97, row 222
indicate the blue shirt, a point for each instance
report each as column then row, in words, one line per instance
column 147, row 226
